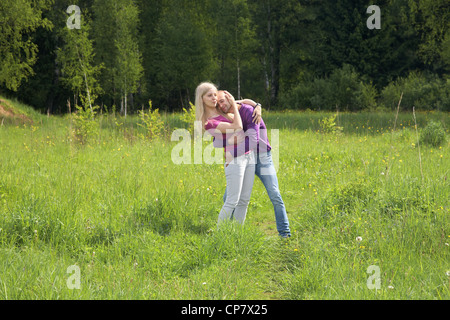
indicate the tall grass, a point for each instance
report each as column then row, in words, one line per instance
column 140, row 227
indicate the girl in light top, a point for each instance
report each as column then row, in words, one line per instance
column 240, row 170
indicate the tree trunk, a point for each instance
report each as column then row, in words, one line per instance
column 126, row 104
column 238, row 67
column 274, row 54
column 121, row 105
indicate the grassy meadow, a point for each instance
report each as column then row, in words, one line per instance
column 137, row 226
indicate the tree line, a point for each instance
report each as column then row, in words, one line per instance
column 290, row 54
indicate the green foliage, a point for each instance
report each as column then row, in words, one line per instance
column 85, row 127
column 188, row 117
column 183, row 52
column 151, row 121
column 431, row 20
column 264, row 50
column 76, row 56
column 18, row 53
column 433, row 134
column 343, row 89
column 128, row 61
column 328, row 125
column 424, row 92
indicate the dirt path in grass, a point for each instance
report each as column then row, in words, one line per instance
column 7, row 112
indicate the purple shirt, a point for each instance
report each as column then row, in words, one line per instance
column 255, row 135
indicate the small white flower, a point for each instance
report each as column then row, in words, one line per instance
column 391, row 287
column 448, row 273
column 359, row 239
column 156, row 199
column 203, row 283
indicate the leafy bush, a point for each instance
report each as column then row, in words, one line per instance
column 188, row 117
column 85, row 125
column 151, row 122
column 424, row 92
column 328, row 125
column 343, row 89
column 433, row 134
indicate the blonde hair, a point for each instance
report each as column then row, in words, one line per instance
column 201, row 90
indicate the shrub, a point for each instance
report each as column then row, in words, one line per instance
column 85, row 125
column 151, row 122
column 188, row 117
column 433, row 134
column 328, row 125
column 424, row 92
column 343, row 89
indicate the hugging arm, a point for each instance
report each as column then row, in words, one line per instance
column 257, row 109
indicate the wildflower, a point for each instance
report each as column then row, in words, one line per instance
column 391, row 287
column 448, row 273
column 359, row 239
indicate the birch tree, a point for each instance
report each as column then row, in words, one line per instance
column 129, row 70
column 76, row 58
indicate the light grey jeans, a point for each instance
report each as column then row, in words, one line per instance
column 240, row 174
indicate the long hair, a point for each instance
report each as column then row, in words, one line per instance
column 201, row 90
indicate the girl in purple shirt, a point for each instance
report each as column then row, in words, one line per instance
column 239, row 168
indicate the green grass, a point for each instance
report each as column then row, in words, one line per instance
column 140, row 227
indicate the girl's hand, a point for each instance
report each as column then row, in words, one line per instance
column 230, row 99
column 228, row 158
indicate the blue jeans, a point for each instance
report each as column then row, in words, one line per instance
column 266, row 172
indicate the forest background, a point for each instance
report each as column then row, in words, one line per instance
column 291, row 54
